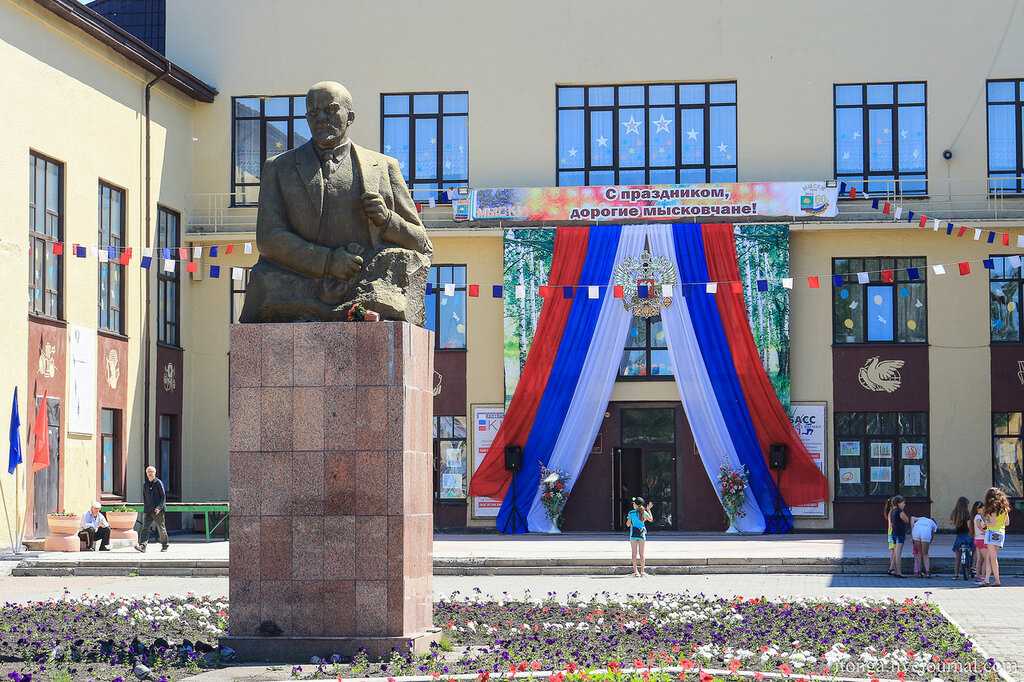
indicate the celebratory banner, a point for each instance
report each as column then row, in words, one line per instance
column 527, row 265
column 762, row 255
column 706, row 202
column 486, row 423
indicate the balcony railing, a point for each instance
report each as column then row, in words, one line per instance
column 946, row 199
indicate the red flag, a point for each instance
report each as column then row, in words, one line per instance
column 887, row 276
column 473, row 290
column 192, row 266
column 41, row 450
column 922, row 221
column 125, row 257
column 1006, row 238
column 617, row 291
column 58, row 248
column 183, row 253
column 965, row 268
column 230, row 248
column 813, row 282
column 961, row 231
column 887, row 208
column 853, row 192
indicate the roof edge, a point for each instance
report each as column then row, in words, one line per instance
column 130, row 47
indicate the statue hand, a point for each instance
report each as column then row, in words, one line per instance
column 343, row 265
column 375, row 208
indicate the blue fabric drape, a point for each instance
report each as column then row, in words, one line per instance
column 714, row 346
column 574, row 346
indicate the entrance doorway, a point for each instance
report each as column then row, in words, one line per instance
column 46, row 482
column 645, row 464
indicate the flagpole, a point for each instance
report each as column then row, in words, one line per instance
column 7, row 514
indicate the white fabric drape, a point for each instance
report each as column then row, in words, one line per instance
column 594, row 388
column 710, row 433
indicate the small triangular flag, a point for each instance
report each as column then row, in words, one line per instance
column 197, row 252
column 977, row 234
column 989, row 264
column 215, row 271
column 103, row 255
column 935, row 225
column 965, row 268
column 182, row 253
column 126, row 256
column 165, row 254
column 146, row 262
column 939, row 269
column 813, row 282
column 991, row 237
column 230, row 248
column 863, row 278
column 711, row 288
column 887, row 208
column 520, row 290
column 247, row 248
column 887, row 276
column 58, row 249
column 899, row 213
column 430, row 288
column 79, row 251
column 762, row 285
column 837, row 280
column 238, row 273
column 949, row 228
column 1014, row 262
column 169, row 266
column 192, row 266
column 737, row 287
column 666, row 291
column 787, row 282
column 1006, row 238
column 497, row 291
column 910, row 216
column 617, row 291
column 473, row 290
column 593, row 292
column 923, row 221
column 913, row 274
column 449, row 289
column 962, row 231
column 213, row 251
column 874, row 204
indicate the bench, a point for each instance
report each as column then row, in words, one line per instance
column 204, row 508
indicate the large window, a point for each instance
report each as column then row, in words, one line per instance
column 168, row 465
column 451, row 462
column 168, row 303
column 645, row 355
column 262, row 127
column 428, row 132
column 891, row 306
column 882, row 137
column 46, row 228
column 446, row 306
column 111, row 238
column 880, row 454
column 110, row 452
column 1004, row 301
column 1005, row 129
column 659, row 134
column 1007, row 453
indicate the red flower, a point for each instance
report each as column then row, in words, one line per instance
column 614, row 666
column 685, row 663
column 682, row 675
column 523, row 666
column 734, row 665
column 706, row 676
column 482, row 677
column 785, row 669
column 759, row 675
column 535, row 665
column 512, row 670
column 571, row 668
column 901, row 675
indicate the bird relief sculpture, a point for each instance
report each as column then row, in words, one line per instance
column 880, row 375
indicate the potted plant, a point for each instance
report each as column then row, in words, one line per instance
column 732, row 486
column 122, row 520
column 554, row 493
column 63, row 527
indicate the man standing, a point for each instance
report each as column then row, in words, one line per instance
column 95, row 527
column 154, row 497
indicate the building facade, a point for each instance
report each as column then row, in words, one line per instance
column 587, row 93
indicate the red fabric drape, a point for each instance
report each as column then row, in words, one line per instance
column 801, row 482
column 491, row 479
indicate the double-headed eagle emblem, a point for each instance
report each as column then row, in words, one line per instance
column 646, row 270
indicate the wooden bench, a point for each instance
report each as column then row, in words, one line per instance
column 204, row 508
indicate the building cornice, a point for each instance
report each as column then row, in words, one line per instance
column 130, row 47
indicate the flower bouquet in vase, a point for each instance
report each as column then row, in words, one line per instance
column 732, row 484
column 554, row 493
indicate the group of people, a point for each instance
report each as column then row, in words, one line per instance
column 96, row 528
column 980, row 530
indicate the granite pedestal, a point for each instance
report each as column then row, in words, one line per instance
column 331, row 494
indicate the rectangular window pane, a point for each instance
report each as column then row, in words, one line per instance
column 693, row 136
column 880, row 313
column 455, row 163
column 424, row 104
column 910, row 93
column 911, row 306
column 849, row 140
column 849, row 464
column 1001, row 91
column 601, row 97
column 723, row 93
column 847, row 315
column 276, row 106
column 662, row 142
column 396, row 142
column 451, row 321
column 570, row 138
column 881, row 467
column 600, row 140
column 247, row 151
column 570, row 97
column 661, row 94
column 692, row 94
column 723, row 135
column 1004, row 310
column 1002, row 137
column 631, row 95
column 631, row 138
column 456, row 103
column 396, row 104
column 247, row 107
column 426, row 148
column 849, row 94
column 880, row 94
column 913, row 480
column 1007, row 466
column 912, row 142
column 633, row 364
column 880, row 130
column 452, row 472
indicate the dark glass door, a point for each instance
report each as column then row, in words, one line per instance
column 645, row 465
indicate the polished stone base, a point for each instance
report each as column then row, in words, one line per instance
column 330, row 485
column 302, row 649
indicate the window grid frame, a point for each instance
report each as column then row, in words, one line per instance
column 998, row 436
column 866, row 173
column 172, row 478
column 436, row 447
column 850, row 278
column 232, row 291
column 440, row 196
column 168, row 280
column 44, row 239
column 115, row 435
column 107, row 273
column 678, row 107
column 1018, row 108
column 1019, row 279
column 897, row 440
column 648, row 349
column 438, row 293
column 263, row 118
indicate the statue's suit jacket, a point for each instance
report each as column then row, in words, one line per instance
column 291, row 203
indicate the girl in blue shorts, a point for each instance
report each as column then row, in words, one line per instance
column 636, row 521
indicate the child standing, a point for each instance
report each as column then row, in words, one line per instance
column 961, row 520
column 637, row 519
column 888, row 536
column 922, row 530
column 978, row 528
column 997, row 517
column 899, row 520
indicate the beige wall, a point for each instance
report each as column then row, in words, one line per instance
column 509, row 56
column 70, row 98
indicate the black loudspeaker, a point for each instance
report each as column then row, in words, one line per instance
column 777, row 456
column 513, row 457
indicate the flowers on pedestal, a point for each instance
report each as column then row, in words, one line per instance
column 554, row 495
column 732, row 486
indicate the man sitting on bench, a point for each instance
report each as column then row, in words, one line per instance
column 95, row 527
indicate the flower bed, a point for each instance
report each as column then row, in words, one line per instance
column 657, row 637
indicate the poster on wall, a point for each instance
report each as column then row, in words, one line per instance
column 486, row 422
column 809, row 421
column 656, row 202
column 82, row 395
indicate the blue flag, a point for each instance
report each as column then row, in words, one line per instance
column 14, row 458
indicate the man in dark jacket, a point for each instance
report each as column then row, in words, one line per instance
column 154, row 497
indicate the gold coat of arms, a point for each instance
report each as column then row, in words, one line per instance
column 652, row 273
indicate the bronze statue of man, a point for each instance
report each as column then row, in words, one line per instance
column 337, row 231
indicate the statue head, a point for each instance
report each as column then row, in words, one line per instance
column 329, row 113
